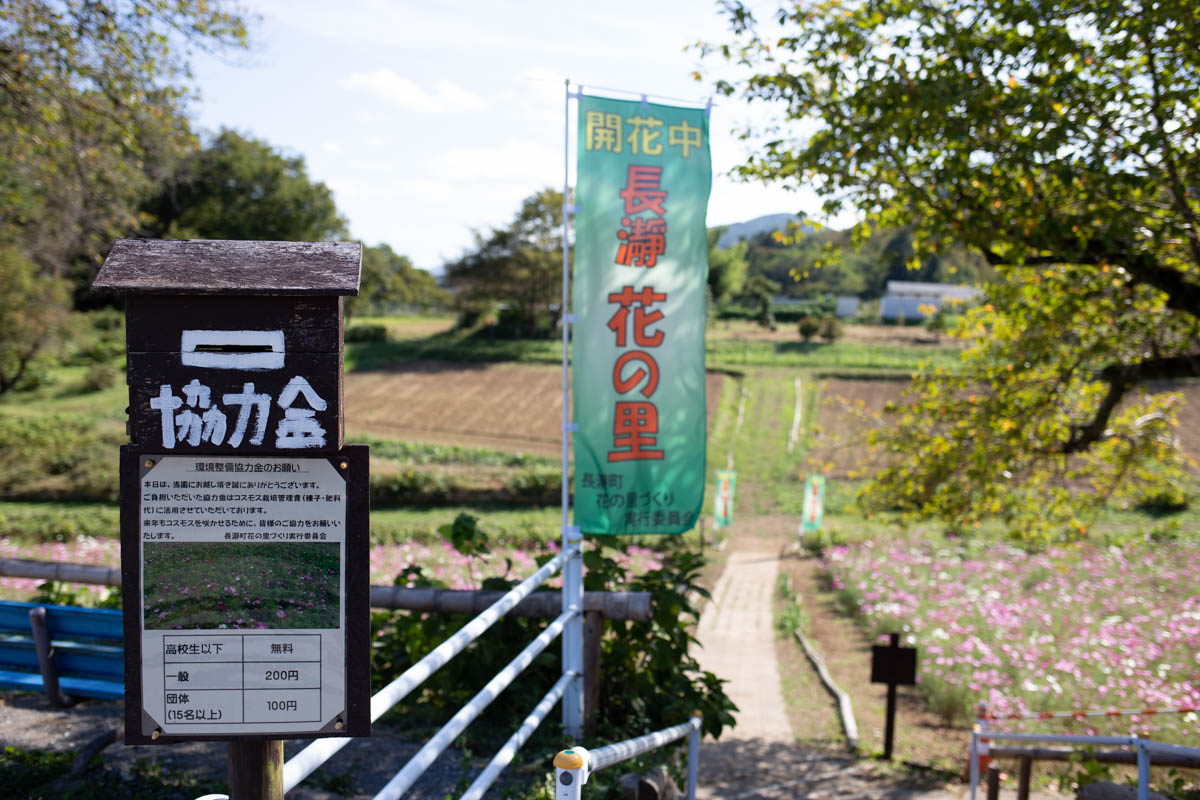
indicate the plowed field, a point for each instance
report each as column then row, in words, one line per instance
column 498, row 406
column 842, row 426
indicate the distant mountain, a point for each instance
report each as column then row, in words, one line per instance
column 751, row 228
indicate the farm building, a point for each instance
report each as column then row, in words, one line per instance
column 912, row 300
column 847, row 306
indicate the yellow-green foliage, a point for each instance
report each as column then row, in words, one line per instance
column 1010, row 434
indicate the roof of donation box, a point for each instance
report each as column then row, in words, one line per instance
column 203, row 266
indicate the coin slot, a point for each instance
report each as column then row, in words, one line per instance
column 237, row 350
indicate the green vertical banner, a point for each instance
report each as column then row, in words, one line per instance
column 641, row 263
column 814, row 503
column 723, row 498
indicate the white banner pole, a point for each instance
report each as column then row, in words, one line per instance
column 572, row 598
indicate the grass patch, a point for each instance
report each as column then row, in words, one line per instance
column 64, row 390
column 732, row 353
column 59, row 522
column 451, row 346
column 503, row 525
column 768, row 478
column 407, row 326
column 422, row 453
column 789, row 614
column 471, row 347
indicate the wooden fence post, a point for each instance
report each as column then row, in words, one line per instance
column 993, row 782
column 593, row 633
column 1024, row 776
column 256, row 770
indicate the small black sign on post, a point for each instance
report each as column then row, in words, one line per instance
column 895, row 666
column 244, row 518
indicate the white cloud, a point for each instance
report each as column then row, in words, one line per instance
column 537, row 95
column 527, row 162
column 375, row 141
column 331, row 147
column 400, row 91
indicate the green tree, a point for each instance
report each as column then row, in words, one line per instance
column 519, row 265
column 390, row 281
column 760, row 291
column 814, row 262
column 727, row 269
column 32, row 315
column 92, row 101
column 1060, row 142
column 243, row 188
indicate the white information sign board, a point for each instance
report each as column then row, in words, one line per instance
column 243, row 575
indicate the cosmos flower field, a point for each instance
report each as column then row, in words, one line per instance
column 1075, row 627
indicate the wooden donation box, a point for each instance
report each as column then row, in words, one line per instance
column 244, row 517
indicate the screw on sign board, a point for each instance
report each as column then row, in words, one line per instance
column 243, row 516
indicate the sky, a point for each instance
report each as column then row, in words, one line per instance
column 430, row 120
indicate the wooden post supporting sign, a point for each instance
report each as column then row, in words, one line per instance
column 244, row 517
column 895, row 666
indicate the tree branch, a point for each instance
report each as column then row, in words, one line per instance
column 1165, row 368
column 1084, row 436
column 1121, row 378
column 1182, row 294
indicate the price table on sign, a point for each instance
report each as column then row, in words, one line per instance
column 239, row 679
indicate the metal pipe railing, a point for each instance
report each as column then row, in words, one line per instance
column 573, row 767
column 631, row 748
column 308, row 760
column 504, row 755
column 403, row 780
column 1162, row 748
column 1144, row 748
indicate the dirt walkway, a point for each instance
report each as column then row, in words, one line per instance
column 760, row 757
column 738, row 639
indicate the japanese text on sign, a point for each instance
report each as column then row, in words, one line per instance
column 196, row 417
column 635, row 422
column 643, row 239
column 638, row 134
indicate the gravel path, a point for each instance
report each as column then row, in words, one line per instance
column 28, row 722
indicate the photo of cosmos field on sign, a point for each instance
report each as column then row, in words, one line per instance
column 206, row 585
